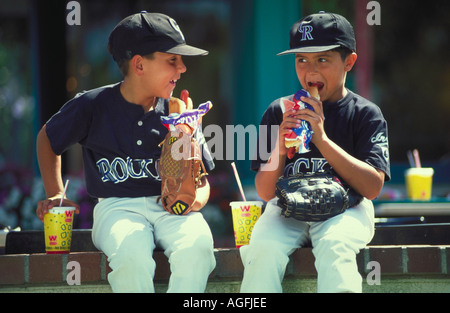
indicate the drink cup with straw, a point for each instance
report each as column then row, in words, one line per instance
column 245, row 214
column 58, row 224
column 419, row 180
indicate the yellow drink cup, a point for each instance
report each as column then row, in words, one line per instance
column 58, row 230
column 419, row 181
column 245, row 214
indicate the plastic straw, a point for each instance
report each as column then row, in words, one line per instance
column 417, row 158
column 64, row 193
column 410, row 158
column 238, row 181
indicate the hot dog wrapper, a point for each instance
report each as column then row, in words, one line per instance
column 191, row 118
column 299, row 137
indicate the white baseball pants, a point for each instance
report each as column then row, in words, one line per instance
column 127, row 230
column 335, row 245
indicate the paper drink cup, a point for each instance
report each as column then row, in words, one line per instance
column 58, row 229
column 419, row 182
column 245, row 214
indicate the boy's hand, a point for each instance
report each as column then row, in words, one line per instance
column 45, row 205
column 315, row 118
column 290, row 121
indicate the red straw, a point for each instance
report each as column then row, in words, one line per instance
column 417, row 158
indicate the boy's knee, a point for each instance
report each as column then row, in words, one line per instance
column 263, row 252
column 265, row 264
column 336, row 266
column 132, row 264
column 203, row 250
column 131, row 273
column 334, row 246
column 200, row 253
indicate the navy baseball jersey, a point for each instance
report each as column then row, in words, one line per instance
column 353, row 123
column 119, row 142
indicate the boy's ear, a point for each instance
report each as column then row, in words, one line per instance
column 350, row 61
column 136, row 64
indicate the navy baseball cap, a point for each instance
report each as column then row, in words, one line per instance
column 321, row 32
column 144, row 33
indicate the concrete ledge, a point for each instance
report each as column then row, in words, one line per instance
column 402, row 269
column 30, row 242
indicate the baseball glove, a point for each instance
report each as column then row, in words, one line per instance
column 314, row 197
column 181, row 170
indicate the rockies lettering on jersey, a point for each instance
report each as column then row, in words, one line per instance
column 305, row 165
column 119, row 170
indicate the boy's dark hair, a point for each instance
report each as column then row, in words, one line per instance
column 343, row 51
column 123, row 66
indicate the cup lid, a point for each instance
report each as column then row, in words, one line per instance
column 427, row 171
column 61, row 209
column 236, row 203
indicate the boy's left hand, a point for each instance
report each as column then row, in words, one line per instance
column 316, row 118
column 44, row 206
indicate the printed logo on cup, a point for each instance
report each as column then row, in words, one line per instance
column 245, row 211
column 53, row 240
column 69, row 215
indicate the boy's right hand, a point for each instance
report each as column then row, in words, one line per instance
column 289, row 122
column 45, row 205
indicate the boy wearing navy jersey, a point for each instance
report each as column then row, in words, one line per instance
column 350, row 135
column 119, row 128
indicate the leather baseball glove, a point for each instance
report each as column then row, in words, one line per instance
column 314, row 197
column 181, row 170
